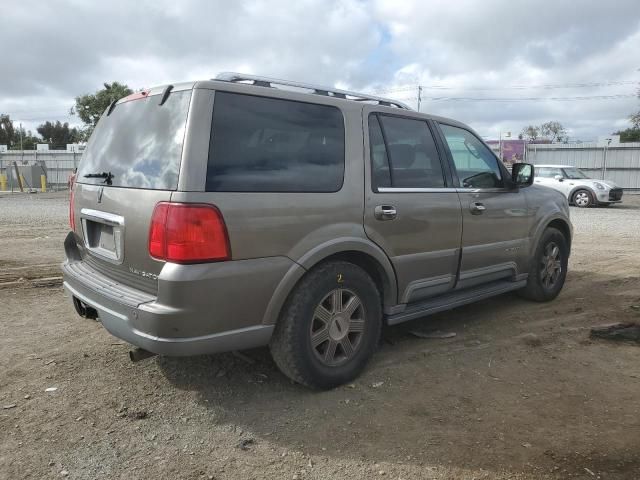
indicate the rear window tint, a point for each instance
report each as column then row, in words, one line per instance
column 270, row 145
column 139, row 145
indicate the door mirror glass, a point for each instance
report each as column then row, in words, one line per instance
column 522, row 174
column 559, row 178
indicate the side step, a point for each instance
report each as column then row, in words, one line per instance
column 454, row 299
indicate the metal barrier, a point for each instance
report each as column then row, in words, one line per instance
column 56, row 165
column 619, row 163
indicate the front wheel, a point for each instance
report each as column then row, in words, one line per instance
column 329, row 327
column 548, row 267
column 583, row 198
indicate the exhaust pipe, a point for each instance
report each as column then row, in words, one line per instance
column 140, row 354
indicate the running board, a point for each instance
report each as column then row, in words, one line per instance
column 453, row 300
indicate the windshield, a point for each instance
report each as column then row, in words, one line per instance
column 138, row 145
column 574, row 173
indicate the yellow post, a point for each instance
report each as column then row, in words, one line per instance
column 43, row 182
column 3, row 182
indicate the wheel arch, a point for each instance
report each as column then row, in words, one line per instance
column 563, row 226
column 358, row 251
column 583, row 187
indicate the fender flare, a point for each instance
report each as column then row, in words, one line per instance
column 322, row 252
column 544, row 224
column 583, row 187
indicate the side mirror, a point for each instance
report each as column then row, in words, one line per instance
column 522, row 174
column 560, row 178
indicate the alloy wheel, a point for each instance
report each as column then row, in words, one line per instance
column 337, row 327
column 551, row 264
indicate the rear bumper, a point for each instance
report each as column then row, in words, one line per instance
column 199, row 309
column 117, row 320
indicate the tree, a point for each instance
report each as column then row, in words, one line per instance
column 15, row 138
column 59, row 133
column 554, row 131
column 629, row 135
column 90, row 107
column 6, row 130
column 24, row 139
column 530, row 133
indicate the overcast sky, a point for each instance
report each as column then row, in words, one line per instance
column 462, row 52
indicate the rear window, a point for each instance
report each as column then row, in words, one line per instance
column 138, row 145
column 270, row 145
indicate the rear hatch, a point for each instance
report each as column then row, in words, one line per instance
column 131, row 163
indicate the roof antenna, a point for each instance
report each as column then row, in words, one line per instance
column 111, row 107
column 165, row 94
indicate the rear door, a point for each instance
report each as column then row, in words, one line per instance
column 412, row 210
column 130, row 164
column 495, row 218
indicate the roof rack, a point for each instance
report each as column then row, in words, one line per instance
column 315, row 89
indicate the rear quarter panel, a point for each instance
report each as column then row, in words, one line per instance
column 302, row 227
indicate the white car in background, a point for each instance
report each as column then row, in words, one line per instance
column 579, row 189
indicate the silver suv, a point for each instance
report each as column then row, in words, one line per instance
column 247, row 211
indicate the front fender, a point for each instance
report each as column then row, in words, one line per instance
column 547, row 206
column 583, row 187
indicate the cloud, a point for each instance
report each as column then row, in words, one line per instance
column 70, row 48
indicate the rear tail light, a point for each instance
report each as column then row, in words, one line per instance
column 188, row 233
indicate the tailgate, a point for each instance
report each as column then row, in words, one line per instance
column 113, row 224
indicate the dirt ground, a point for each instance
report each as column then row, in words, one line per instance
column 520, row 392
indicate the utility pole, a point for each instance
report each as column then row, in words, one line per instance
column 419, row 96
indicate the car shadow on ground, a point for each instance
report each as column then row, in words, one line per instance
column 418, row 399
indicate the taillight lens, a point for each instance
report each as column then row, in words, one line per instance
column 72, row 214
column 188, row 233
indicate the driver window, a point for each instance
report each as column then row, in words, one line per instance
column 476, row 165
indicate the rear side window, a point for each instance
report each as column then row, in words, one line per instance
column 403, row 154
column 138, row 145
column 270, row 145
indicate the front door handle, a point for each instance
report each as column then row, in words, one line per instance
column 385, row 212
column 477, row 208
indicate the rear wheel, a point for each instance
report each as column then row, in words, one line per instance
column 329, row 327
column 548, row 268
column 583, row 198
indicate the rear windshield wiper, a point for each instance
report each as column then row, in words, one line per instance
column 108, row 176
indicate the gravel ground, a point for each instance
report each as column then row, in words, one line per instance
column 520, row 392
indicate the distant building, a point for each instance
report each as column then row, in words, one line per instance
column 509, row 151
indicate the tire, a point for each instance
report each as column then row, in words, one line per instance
column 318, row 344
column 539, row 287
column 583, row 198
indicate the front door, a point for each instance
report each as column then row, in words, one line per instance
column 412, row 210
column 553, row 177
column 495, row 219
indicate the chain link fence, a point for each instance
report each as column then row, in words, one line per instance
column 56, row 165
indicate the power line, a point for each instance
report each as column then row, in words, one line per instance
column 512, row 87
column 532, row 99
column 517, row 99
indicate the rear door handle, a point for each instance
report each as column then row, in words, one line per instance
column 385, row 212
column 477, row 208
